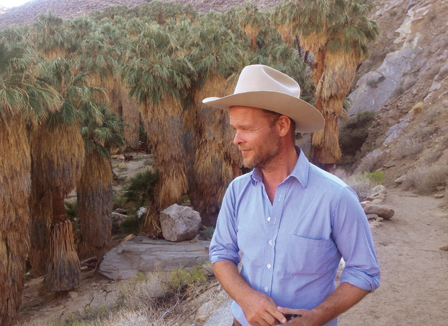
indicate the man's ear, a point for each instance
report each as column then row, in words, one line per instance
column 283, row 125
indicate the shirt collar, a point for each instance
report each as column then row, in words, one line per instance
column 300, row 171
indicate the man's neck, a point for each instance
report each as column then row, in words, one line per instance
column 279, row 169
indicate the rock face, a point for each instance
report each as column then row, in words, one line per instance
column 143, row 255
column 179, row 223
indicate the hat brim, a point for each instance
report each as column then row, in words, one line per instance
column 307, row 118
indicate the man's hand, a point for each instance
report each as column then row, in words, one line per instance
column 261, row 310
column 305, row 317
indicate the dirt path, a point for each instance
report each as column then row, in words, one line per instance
column 414, row 272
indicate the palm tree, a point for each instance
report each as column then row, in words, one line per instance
column 252, row 20
column 56, row 167
column 337, row 33
column 22, row 97
column 50, row 37
column 215, row 57
column 156, row 75
column 94, row 190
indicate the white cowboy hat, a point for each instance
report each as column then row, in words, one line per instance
column 265, row 88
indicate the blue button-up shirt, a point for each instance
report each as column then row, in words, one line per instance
column 291, row 249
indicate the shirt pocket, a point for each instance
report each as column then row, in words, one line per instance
column 308, row 256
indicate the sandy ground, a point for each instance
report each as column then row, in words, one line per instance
column 414, row 272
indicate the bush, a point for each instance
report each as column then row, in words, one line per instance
column 361, row 183
column 417, row 108
column 132, row 225
column 181, row 278
column 426, row 181
column 408, row 147
column 141, row 188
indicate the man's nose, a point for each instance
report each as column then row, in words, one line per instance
column 237, row 138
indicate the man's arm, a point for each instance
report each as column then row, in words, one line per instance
column 259, row 309
column 345, row 297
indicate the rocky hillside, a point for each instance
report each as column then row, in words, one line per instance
column 406, row 84
column 28, row 12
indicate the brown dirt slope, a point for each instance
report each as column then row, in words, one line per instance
column 413, row 269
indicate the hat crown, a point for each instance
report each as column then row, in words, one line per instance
column 261, row 78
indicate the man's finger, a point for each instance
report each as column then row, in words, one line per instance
column 278, row 315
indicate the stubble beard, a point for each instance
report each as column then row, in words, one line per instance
column 266, row 156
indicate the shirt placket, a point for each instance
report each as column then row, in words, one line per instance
column 272, row 227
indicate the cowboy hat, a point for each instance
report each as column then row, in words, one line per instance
column 265, row 88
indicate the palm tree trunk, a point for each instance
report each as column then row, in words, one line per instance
column 95, row 201
column 15, row 167
column 63, row 271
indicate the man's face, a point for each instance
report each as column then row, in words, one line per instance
column 255, row 136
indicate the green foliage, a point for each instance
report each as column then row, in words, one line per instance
column 132, row 225
column 141, row 188
column 376, row 177
column 353, row 134
column 207, row 234
column 181, row 278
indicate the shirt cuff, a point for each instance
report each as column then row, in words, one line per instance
column 361, row 279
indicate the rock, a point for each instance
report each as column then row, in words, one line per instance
column 121, row 211
column 438, row 196
column 372, row 216
column 179, row 223
column 143, row 254
column 379, row 219
column 222, row 316
column 141, row 211
column 117, row 219
column 379, row 210
column 444, row 248
column 72, row 294
column 400, row 180
column 388, row 165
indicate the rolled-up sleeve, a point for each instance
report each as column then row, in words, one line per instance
column 224, row 244
column 352, row 235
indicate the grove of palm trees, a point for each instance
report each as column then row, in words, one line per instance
column 70, row 90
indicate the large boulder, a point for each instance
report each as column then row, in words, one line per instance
column 179, row 223
column 143, row 254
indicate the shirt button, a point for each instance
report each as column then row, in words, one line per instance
column 269, row 219
column 270, row 242
column 269, row 266
column 266, row 289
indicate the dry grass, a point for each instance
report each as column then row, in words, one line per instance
column 361, row 183
column 153, row 299
column 371, row 161
column 426, row 180
column 408, row 147
column 417, row 108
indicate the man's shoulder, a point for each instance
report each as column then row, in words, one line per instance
column 324, row 178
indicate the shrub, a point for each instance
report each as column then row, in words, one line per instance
column 141, row 188
column 370, row 161
column 426, row 181
column 417, row 108
column 132, row 225
column 361, row 183
column 181, row 278
column 375, row 177
column 408, row 147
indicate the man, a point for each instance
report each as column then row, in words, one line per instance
column 291, row 221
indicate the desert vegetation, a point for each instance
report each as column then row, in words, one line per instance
column 71, row 90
